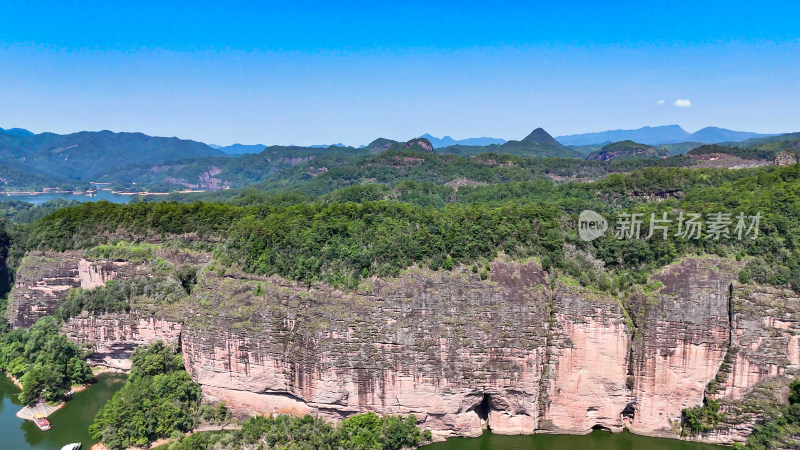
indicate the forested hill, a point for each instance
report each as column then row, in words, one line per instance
column 387, row 163
column 626, row 150
column 447, row 171
column 85, row 156
column 223, row 173
column 538, row 143
column 135, row 162
column 367, row 230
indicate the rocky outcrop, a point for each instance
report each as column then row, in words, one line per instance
column 113, row 337
column 682, row 337
column 45, row 278
column 588, row 363
column 627, row 150
column 517, row 354
column 763, row 357
column 421, row 143
column 521, row 352
column 460, row 353
column 766, row 337
column 786, row 158
column 727, row 160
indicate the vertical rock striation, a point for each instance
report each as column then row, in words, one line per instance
column 460, row 353
column 588, row 363
column 518, row 353
column 682, row 337
column 45, row 278
column 114, row 336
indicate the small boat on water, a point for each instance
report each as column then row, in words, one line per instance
column 73, row 446
column 41, row 421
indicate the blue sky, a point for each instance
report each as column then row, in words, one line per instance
column 324, row 72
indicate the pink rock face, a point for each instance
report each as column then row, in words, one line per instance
column 684, row 338
column 114, row 336
column 515, row 353
column 766, row 329
column 589, row 364
column 457, row 352
column 45, row 278
column 92, row 274
column 462, row 355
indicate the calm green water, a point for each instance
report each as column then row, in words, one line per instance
column 38, row 199
column 70, row 423
column 597, row 440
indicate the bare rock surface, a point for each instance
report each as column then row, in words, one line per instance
column 45, row 278
column 519, row 353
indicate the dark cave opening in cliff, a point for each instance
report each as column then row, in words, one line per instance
column 483, row 408
column 629, row 412
column 601, row 428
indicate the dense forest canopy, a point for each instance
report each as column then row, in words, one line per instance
column 347, row 234
column 159, row 399
column 43, row 360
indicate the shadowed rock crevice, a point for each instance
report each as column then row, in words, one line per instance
column 629, row 412
column 482, row 409
column 730, row 315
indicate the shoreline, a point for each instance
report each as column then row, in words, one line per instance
column 14, row 380
column 142, row 193
column 27, row 412
column 483, row 435
column 9, row 193
column 100, row 370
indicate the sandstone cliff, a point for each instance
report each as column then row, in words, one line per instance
column 522, row 352
column 518, row 354
column 114, row 336
column 45, row 278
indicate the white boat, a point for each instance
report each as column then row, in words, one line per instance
column 73, row 446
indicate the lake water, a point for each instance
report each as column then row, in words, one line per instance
column 70, row 423
column 596, row 440
column 38, row 199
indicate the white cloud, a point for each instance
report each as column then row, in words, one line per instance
column 660, row 102
column 682, row 103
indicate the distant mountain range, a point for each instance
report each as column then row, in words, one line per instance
column 714, row 135
column 447, row 141
column 538, row 143
column 89, row 154
column 243, row 149
column 667, row 134
column 326, row 146
column 17, row 132
column 239, row 149
column 646, row 135
column 135, row 161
